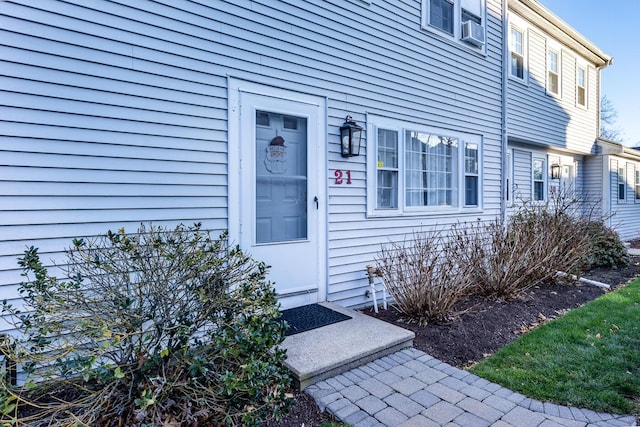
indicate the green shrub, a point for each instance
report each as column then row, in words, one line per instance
column 607, row 250
column 161, row 327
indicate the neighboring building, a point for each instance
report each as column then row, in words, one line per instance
column 552, row 106
column 229, row 113
column 619, row 169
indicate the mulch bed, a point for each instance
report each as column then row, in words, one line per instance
column 485, row 328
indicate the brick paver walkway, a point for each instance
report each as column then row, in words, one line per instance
column 410, row 388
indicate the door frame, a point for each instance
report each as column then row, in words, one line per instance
column 235, row 88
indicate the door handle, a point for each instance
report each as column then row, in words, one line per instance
column 315, row 199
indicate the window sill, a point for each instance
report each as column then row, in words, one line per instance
column 435, row 211
column 524, row 81
column 554, row 95
column 453, row 41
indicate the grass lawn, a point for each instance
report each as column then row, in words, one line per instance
column 589, row 358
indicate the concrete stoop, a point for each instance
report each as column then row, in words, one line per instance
column 321, row 353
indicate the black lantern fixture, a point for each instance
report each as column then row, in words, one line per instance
column 555, row 171
column 350, row 136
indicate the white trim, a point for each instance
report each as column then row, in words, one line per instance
column 457, row 25
column 545, row 176
column 555, row 47
column 520, row 25
column 235, row 88
column 378, row 122
column 581, row 64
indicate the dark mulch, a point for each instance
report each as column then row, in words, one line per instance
column 487, row 327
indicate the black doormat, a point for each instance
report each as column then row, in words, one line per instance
column 308, row 317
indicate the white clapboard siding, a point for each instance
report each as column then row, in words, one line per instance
column 534, row 115
column 522, row 175
column 114, row 113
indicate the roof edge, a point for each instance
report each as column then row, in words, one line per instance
column 550, row 22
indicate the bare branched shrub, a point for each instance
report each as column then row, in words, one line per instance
column 162, row 327
column 535, row 243
column 424, row 275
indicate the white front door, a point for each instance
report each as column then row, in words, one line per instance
column 281, row 197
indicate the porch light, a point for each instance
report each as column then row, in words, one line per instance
column 350, row 136
column 555, row 171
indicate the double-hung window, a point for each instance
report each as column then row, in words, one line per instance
column 622, row 185
column 539, row 178
column 581, row 86
column 387, row 169
column 553, row 71
column 418, row 170
column 460, row 20
column 516, row 46
column 441, row 15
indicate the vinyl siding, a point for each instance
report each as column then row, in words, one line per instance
column 115, row 112
column 556, row 121
column 594, row 186
column 522, row 178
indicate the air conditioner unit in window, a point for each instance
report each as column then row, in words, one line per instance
column 473, row 33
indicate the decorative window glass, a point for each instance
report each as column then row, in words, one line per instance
column 538, row 170
column 621, row 183
column 387, row 169
column 516, row 46
column 418, row 170
column 553, row 72
column 581, row 86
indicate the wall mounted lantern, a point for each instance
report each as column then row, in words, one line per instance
column 350, row 137
column 555, row 171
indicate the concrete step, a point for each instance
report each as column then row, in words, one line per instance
column 328, row 351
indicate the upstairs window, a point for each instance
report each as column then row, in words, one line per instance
column 581, row 86
column 553, row 72
column 460, row 20
column 516, row 46
column 441, row 15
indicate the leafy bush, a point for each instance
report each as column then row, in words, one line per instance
column 162, row 327
column 607, row 250
column 426, row 275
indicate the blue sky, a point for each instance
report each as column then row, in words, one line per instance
column 614, row 27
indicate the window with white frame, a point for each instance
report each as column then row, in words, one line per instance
column 462, row 20
column 471, row 174
column 420, row 170
column 637, row 183
column 581, row 86
column 622, row 186
column 387, row 169
column 517, row 59
column 539, row 178
column 553, row 71
column 441, row 15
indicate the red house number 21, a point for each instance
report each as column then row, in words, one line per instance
column 340, row 177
